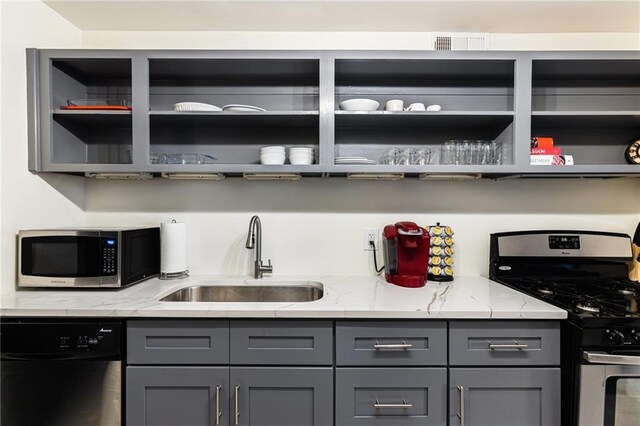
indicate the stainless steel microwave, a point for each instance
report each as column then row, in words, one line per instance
column 87, row 257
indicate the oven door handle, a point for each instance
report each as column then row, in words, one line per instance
column 605, row 358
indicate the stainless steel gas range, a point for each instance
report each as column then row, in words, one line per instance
column 585, row 273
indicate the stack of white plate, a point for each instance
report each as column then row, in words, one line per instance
column 301, row 155
column 272, row 155
column 195, row 107
column 354, row 160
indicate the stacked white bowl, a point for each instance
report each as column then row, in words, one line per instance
column 273, row 155
column 301, row 155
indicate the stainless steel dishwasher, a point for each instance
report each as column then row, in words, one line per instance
column 60, row 373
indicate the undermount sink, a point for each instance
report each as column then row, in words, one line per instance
column 306, row 291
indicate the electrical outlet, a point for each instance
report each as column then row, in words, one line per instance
column 370, row 234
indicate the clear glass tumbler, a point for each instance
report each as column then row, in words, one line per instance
column 448, row 152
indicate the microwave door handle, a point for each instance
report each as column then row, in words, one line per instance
column 604, row 358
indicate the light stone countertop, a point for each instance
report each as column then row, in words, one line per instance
column 344, row 297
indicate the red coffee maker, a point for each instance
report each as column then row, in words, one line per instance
column 406, row 254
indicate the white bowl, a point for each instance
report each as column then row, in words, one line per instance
column 360, row 104
column 301, row 151
column 301, row 155
column 272, row 160
column 269, row 148
column 301, row 160
column 272, row 156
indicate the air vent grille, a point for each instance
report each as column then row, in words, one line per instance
column 478, row 42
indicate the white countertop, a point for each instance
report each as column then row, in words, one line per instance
column 344, row 297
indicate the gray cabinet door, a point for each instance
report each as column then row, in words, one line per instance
column 177, row 396
column 274, row 396
column 391, row 396
column 281, row 342
column 504, row 396
column 177, row 342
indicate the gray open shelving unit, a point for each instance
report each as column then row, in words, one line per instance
column 588, row 101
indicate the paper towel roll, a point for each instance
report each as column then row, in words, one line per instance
column 173, row 248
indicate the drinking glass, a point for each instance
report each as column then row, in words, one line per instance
column 448, row 152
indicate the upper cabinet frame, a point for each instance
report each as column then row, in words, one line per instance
column 588, row 101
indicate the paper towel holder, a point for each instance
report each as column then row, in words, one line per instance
column 173, row 275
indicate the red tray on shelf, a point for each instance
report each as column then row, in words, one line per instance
column 97, row 107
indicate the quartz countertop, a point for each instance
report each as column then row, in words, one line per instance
column 344, row 297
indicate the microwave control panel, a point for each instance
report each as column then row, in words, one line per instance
column 109, row 255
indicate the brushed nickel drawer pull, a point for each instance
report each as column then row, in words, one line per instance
column 403, row 405
column 461, row 413
column 218, row 412
column 514, row 345
column 402, row 345
column 237, row 405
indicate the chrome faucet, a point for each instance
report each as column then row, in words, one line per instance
column 254, row 240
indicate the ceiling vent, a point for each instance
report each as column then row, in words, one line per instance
column 461, row 42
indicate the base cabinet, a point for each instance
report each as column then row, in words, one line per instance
column 223, row 396
column 391, row 396
column 280, row 373
column 271, row 396
column 177, row 396
column 504, row 396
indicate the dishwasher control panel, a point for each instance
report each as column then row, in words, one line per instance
column 60, row 340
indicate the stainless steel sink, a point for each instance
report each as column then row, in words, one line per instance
column 271, row 292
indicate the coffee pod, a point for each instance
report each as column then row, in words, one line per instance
column 435, row 260
column 435, row 231
column 448, row 241
column 448, row 261
column 448, row 251
column 435, row 270
column 436, row 251
column 437, row 241
column 447, row 271
column 448, row 230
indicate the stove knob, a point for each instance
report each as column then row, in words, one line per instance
column 635, row 336
column 616, row 337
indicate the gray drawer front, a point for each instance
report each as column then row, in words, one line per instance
column 381, row 343
column 281, row 342
column 495, row 343
column 358, row 390
column 178, row 342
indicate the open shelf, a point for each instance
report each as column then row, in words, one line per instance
column 236, row 119
column 273, row 84
column 493, row 122
column 91, row 138
column 586, row 85
column 592, row 138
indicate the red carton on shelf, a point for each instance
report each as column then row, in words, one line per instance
column 541, row 142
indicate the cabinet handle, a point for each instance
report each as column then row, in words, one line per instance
column 403, row 405
column 461, row 413
column 402, row 345
column 514, row 345
column 218, row 412
column 237, row 405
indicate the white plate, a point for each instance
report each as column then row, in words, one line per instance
column 355, row 161
column 195, row 106
column 243, row 108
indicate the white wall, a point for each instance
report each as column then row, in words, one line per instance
column 315, row 226
column 29, row 201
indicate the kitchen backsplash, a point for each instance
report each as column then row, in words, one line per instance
column 316, row 226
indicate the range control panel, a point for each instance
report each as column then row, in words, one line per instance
column 60, row 340
column 612, row 336
column 564, row 242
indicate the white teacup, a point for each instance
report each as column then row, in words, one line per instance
column 434, row 108
column 395, row 105
column 418, row 106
